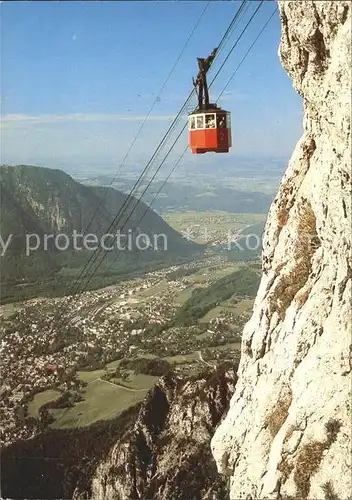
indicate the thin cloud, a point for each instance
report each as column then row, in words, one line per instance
column 78, row 117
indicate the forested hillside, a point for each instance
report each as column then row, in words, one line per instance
column 39, row 201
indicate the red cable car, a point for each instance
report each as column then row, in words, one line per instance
column 209, row 130
column 209, row 126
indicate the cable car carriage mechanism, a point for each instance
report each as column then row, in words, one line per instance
column 209, row 126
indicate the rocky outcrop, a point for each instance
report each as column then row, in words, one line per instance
column 287, row 434
column 166, row 453
column 156, row 450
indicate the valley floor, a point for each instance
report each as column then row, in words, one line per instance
column 105, row 349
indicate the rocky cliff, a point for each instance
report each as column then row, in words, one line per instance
column 166, row 452
column 287, row 434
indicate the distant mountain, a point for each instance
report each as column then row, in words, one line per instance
column 230, row 165
column 40, row 201
column 200, row 193
column 198, row 197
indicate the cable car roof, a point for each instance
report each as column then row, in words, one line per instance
column 212, row 108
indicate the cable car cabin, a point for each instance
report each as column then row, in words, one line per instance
column 210, row 130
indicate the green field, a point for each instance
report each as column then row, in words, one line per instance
column 183, row 296
column 225, row 347
column 182, row 358
column 210, row 300
column 242, row 307
column 40, row 399
column 162, row 286
column 201, row 277
column 137, row 381
column 103, row 401
column 89, row 376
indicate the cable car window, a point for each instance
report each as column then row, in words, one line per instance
column 221, row 121
column 200, row 121
column 192, row 123
column 228, row 120
column 210, row 121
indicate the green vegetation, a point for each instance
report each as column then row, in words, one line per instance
column 245, row 255
column 41, row 399
column 132, row 380
column 180, row 273
column 183, row 296
column 243, row 282
column 147, row 366
column 108, row 393
column 90, row 375
column 102, row 401
column 249, row 245
column 57, row 282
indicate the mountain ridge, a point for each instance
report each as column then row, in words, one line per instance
column 49, row 202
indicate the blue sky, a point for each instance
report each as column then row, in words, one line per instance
column 79, row 77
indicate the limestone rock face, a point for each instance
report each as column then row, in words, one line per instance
column 287, row 433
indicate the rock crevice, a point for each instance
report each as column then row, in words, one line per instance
column 165, row 453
